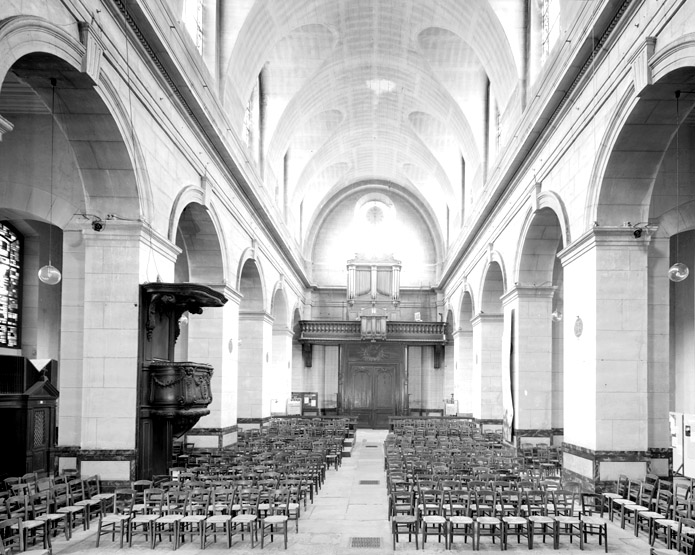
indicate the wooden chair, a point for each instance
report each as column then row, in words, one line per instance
column 11, row 536
column 220, row 520
column 592, row 518
column 403, row 515
column 431, row 514
column 62, row 494
column 43, row 508
column 193, row 522
column 18, row 506
column 174, row 509
column 246, row 519
column 276, row 520
column 119, row 518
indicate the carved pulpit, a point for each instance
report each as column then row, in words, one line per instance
column 172, row 395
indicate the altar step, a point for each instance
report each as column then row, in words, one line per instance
column 348, row 446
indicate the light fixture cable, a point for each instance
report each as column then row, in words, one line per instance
column 49, row 274
column 678, row 271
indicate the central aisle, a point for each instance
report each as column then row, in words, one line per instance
column 347, row 507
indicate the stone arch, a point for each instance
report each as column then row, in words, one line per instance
column 535, row 335
column 255, row 330
column 463, row 336
column 197, row 235
column 258, row 300
column 492, row 285
column 29, row 42
column 281, row 360
column 639, row 139
column 542, row 237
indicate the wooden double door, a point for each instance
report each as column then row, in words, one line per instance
column 373, row 384
column 374, row 394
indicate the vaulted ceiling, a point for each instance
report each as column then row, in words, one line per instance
column 401, row 92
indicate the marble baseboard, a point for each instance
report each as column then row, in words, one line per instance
column 489, row 424
column 212, row 438
column 601, row 469
column 212, row 431
column 259, row 421
column 115, row 467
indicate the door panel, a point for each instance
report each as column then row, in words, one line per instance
column 373, row 390
column 362, row 388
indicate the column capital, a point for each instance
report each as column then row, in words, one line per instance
column 482, row 318
column 5, row 126
column 620, row 237
column 520, row 291
column 259, row 316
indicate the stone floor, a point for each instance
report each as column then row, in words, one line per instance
column 345, row 509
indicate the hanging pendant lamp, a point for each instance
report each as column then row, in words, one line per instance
column 679, row 271
column 49, row 274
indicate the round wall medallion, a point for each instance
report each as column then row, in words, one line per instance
column 578, row 326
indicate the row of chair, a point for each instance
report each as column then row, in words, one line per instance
column 474, row 514
column 205, row 513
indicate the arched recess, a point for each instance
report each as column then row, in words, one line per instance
column 281, row 367
column 449, row 357
column 67, row 158
column 647, row 182
column 255, row 329
column 536, row 347
column 487, row 340
column 298, row 365
column 200, row 261
column 203, row 337
column 91, row 116
column 464, row 385
column 636, row 156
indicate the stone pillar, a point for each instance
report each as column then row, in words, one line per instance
column 487, row 369
column 99, row 355
column 606, row 352
column 213, row 339
column 660, row 381
column 463, row 377
column 532, row 389
column 255, row 336
column 281, row 369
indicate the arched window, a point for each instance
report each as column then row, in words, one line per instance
column 193, row 21
column 550, row 26
column 10, row 286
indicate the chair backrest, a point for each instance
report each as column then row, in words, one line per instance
column 431, row 501
column 198, row 501
column 564, row 501
column 634, row 490
column 664, row 503
column 536, row 501
column 153, row 499
column 11, row 535
column 17, row 506
column 622, row 485
column 176, row 502
column 76, row 488
column 591, row 503
column 61, row 495
column 91, row 486
column 124, row 501
column 40, row 503
column 686, row 539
